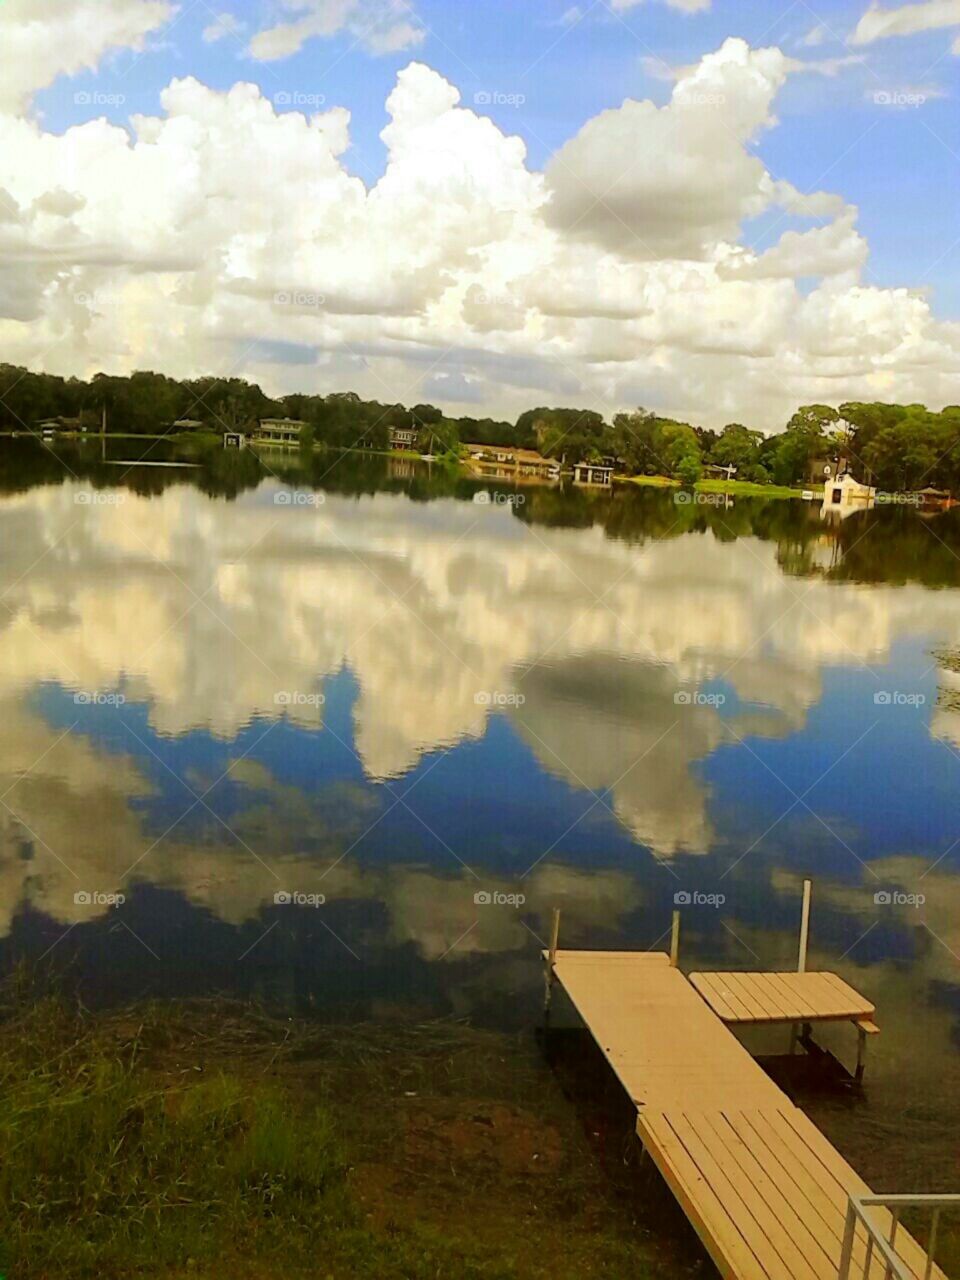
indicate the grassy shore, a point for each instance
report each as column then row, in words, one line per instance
column 205, row 1139
column 743, row 487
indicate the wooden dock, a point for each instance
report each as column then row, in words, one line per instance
column 765, row 1191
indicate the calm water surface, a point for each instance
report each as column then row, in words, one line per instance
column 412, row 695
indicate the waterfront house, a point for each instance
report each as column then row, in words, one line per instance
column 593, row 473
column 843, row 495
column 403, row 438
column 497, row 462
column 931, row 500
column 280, row 430
column 53, row 426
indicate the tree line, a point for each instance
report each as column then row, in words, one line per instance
column 892, row 446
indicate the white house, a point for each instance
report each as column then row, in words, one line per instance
column 593, row 473
column 280, row 430
column 844, row 495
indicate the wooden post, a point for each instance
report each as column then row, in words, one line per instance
column 804, row 927
column 551, row 961
column 795, row 1031
column 675, row 939
column 861, row 1054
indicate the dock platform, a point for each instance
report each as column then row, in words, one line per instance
column 765, row 1191
column 739, row 998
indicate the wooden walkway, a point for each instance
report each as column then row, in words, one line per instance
column 764, row 1189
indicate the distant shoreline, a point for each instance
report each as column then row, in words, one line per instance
column 742, row 487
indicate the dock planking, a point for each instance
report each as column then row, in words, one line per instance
column 744, row 997
column 764, row 1189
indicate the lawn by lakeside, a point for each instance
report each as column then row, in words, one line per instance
column 205, row 1139
column 743, row 487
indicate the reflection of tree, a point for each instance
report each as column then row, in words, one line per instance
column 890, row 544
column 898, row 545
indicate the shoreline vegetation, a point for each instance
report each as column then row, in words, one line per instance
column 733, row 487
column 198, row 1138
column 893, row 447
column 205, row 1138
column 744, row 488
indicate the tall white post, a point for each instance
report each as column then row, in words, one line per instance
column 804, row 927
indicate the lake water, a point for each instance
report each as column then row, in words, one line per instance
column 445, row 708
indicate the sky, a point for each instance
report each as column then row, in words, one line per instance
column 715, row 209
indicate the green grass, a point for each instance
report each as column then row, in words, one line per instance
column 101, row 1167
column 744, row 487
column 207, row 1140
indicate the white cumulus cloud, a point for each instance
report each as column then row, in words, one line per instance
column 222, row 235
column 379, row 26
column 685, row 6
column 906, row 20
column 63, row 37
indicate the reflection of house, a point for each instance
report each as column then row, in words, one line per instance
column 234, row 440
column 401, row 468
column 843, row 495
column 60, row 423
column 403, row 437
column 494, row 460
column 592, row 473
column 280, row 430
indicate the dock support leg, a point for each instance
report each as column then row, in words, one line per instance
column 549, row 978
column 794, row 1037
column 861, row 1054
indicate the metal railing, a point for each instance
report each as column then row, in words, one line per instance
column 882, row 1243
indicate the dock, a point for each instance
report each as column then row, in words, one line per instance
column 800, row 999
column 766, row 1192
